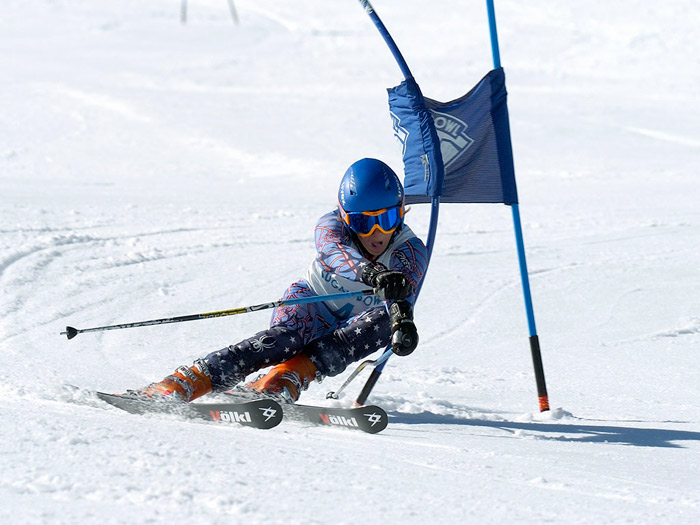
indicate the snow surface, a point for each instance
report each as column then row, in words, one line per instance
column 151, row 169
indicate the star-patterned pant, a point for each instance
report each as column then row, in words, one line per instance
column 332, row 352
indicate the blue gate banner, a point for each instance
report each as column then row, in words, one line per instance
column 474, row 163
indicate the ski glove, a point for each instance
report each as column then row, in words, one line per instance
column 404, row 336
column 388, row 285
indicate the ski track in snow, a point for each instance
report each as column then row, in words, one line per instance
column 151, row 169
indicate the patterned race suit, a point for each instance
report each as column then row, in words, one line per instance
column 333, row 334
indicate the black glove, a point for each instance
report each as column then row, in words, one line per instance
column 404, row 336
column 388, row 285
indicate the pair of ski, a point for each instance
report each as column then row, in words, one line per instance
column 258, row 412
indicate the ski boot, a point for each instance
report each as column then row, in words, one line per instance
column 287, row 380
column 184, row 385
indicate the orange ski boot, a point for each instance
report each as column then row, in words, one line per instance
column 185, row 384
column 286, row 380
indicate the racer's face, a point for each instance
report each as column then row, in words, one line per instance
column 376, row 243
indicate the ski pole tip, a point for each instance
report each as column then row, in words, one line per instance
column 70, row 332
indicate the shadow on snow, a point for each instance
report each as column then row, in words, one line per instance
column 639, row 437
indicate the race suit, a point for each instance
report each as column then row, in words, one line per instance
column 334, row 333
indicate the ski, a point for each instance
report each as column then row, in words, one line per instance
column 368, row 418
column 258, row 413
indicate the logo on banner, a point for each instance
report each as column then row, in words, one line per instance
column 452, row 133
column 400, row 132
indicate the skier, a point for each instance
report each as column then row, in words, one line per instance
column 364, row 242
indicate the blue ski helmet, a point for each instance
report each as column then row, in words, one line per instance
column 369, row 185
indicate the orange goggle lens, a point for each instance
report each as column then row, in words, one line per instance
column 366, row 222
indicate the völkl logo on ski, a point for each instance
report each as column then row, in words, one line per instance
column 230, row 416
column 342, row 421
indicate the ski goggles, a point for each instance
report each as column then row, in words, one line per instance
column 364, row 223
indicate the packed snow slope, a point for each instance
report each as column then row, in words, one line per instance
column 150, row 168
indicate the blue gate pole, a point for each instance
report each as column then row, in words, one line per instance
column 435, row 208
column 367, row 6
column 534, row 339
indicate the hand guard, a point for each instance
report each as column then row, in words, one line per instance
column 388, row 285
column 404, row 336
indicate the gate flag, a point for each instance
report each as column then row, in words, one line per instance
column 457, row 151
column 474, row 163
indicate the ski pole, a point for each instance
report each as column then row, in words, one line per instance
column 72, row 332
column 376, row 362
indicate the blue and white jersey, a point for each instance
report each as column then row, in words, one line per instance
column 339, row 263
